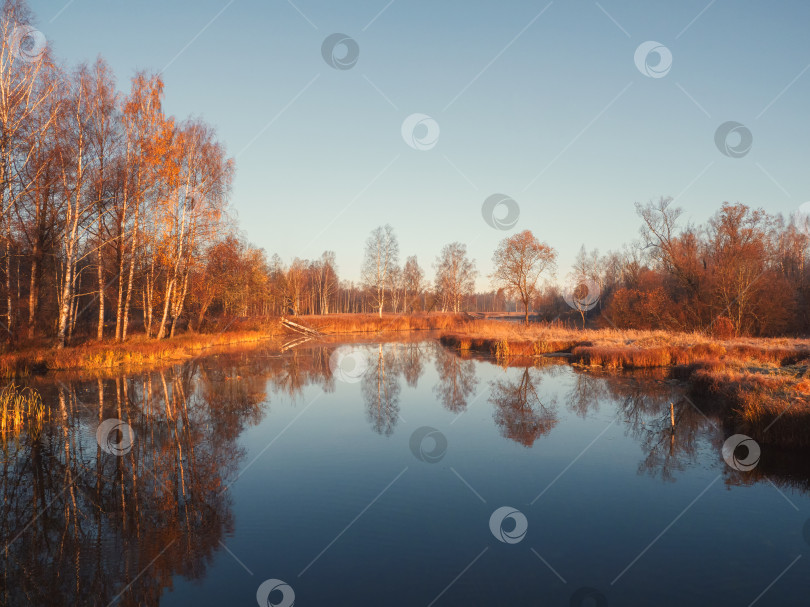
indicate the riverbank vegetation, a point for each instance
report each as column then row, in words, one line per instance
column 21, row 409
column 761, row 386
column 140, row 351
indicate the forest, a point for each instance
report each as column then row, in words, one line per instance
column 117, row 219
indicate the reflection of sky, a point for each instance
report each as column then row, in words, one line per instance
column 550, row 110
column 334, row 507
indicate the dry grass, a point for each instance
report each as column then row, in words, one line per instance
column 136, row 352
column 20, row 408
column 770, row 404
column 139, row 351
column 760, row 386
column 620, row 349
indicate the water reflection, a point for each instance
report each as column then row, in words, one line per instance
column 520, row 412
column 380, row 387
column 412, row 355
column 78, row 525
column 457, row 380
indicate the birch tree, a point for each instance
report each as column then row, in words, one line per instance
column 27, row 80
column 75, row 152
column 381, row 257
column 455, row 276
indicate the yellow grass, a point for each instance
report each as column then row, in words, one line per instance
column 760, row 386
column 20, row 408
column 139, row 351
column 372, row 323
column 613, row 348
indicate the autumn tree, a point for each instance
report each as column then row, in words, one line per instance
column 325, row 279
column 744, row 287
column 677, row 252
column 381, row 257
column 413, row 278
column 583, row 290
column 455, row 275
column 520, row 260
column 396, row 287
column 142, row 150
column 78, row 163
column 28, row 81
column 103, row 136
column 40, row 209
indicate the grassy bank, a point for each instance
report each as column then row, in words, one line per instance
column 135, row 352
column 616, row 349
column 760, row 387
column 139, row 351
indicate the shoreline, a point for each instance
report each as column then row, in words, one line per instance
column 750, row 383
column 139, row 352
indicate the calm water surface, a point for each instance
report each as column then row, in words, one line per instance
column 379, row 488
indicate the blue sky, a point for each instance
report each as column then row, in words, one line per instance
column 540, row 101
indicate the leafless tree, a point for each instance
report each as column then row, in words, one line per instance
column 455, row 276
column 381, row 257
column 413, row 278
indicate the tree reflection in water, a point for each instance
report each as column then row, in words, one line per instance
column 457, row 380
column 412, row 355
column 642, row 400
column 380, row 387
column 519, row 411
column 79, row 525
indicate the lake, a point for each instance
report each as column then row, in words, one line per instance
column 393, row 474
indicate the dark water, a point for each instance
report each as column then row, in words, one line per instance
column 378, row 484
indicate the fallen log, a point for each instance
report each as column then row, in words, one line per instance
column 294, row 326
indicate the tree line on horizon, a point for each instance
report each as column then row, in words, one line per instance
column 743, row 272
column 115, row 219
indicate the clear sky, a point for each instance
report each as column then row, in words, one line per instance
column 541, row 101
